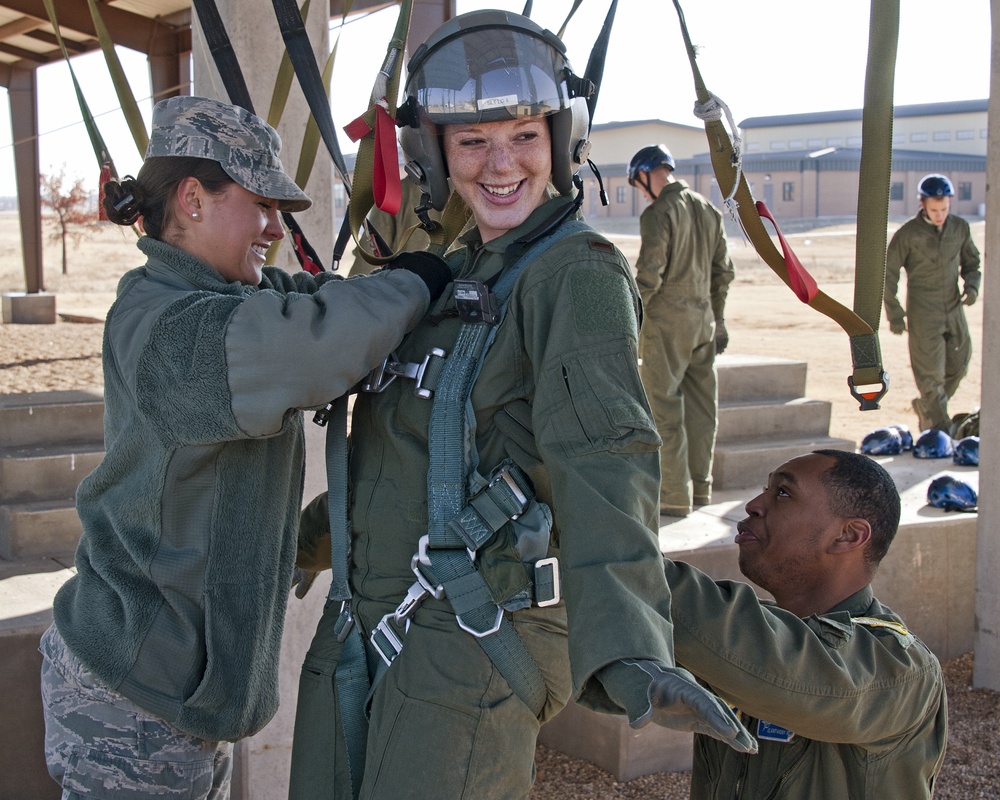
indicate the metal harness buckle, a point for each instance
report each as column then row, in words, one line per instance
column 520, row 497
column 345, row 621
column 389, row 640
column 553, row 564
column 386, row 372
column 481, row 634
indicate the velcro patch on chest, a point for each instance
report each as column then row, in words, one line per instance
column 602, row 303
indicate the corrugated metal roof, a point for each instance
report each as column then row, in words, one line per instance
column 919, row 110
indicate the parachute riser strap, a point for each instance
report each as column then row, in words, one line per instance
column 732, row 183
column 373, row 130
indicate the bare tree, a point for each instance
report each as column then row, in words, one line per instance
column 72, row 207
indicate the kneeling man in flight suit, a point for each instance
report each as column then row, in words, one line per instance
column 844, row 701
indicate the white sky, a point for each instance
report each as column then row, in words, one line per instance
column 761, row 58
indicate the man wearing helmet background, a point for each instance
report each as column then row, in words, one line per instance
column 936, row 249
column 683, row 273
column 517, row 484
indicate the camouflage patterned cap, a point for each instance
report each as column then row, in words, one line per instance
column 244, row 145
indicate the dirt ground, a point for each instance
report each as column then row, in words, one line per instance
column 763, row 317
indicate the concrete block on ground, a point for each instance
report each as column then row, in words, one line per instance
column 750, row 379
column 40, row 418
column 30, row 474
column 20, row 308
column 766, row 421
column 747, row 464
column 46, row 528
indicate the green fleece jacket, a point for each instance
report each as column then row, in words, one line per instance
column 190, row 522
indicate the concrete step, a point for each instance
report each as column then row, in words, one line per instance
column 750, row 379
column 746, row 464
column 45, row 528
column 31, row 474
column 767, row 420
column 40, row 418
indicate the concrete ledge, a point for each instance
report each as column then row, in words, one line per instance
column 20, row 308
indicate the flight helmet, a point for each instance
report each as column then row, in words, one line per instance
column 949, row 493
column 933, row 443
column 935, row 185
column 882, row 442
column 966, row 452
column 489, row 66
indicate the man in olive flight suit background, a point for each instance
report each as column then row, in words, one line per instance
column 936, row 249
column 683, row 274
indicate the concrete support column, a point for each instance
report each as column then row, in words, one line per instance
column 24, row 126
column 257, row 41
column 987, row 643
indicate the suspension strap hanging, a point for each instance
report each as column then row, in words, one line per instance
column 221, row 48
column 860, row 324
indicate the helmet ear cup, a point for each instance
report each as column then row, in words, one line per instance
column 425, row 162
column 570, row 146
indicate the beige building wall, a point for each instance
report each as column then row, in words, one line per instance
column 616, row 142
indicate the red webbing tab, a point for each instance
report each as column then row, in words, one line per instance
column 801, row 281
column 357, row 129
column 385, row 182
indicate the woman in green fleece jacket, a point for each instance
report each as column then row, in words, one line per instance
column 165, row 643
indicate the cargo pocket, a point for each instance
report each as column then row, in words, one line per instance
column 94, row 773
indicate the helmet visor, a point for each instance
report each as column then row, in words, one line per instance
column 490, row 75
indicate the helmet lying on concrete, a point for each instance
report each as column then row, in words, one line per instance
column 933, row 443
column 966, row 452
column 882, row 442
column 949, row 493
column 905, row 435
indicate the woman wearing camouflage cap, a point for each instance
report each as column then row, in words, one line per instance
column 165, row 642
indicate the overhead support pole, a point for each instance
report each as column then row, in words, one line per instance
column 426, row 17
column 21, row 91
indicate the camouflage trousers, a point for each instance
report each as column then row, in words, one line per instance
column 99, row 744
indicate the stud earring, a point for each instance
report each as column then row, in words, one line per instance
column 195, row 215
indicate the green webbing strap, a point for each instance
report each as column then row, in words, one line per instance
column 862, row 330
column 875, row 175
column 293, row 32
column 453, row 461
column 352, row 667
column 385, row 93
column 125, row 97
column 96, row 140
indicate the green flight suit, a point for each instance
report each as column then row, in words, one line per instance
column 391, row 228
column 444, row 722
column 683, row 273
column 863, row 699
column 939, row 341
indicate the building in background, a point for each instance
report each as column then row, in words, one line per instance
column 807, row 165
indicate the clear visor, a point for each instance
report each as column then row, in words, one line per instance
column 488, row 75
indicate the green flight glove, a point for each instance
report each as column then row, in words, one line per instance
column 674, row 699
column 969, row 298
column 897, row 327
column 721, row 337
